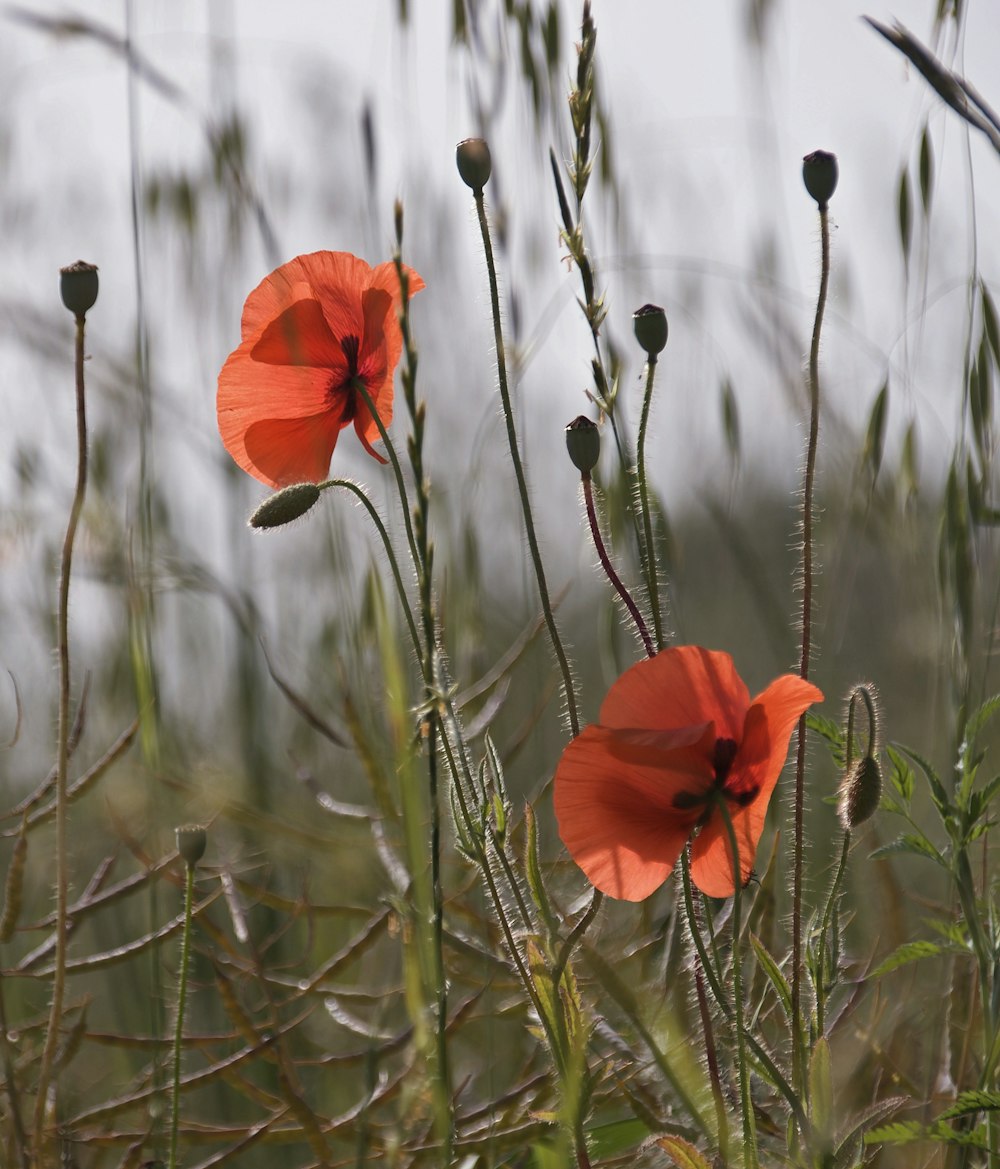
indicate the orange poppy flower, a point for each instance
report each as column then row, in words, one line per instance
column 677, row 735
column 313, row 330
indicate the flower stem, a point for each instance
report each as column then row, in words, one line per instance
column 175, row 1094
column 62, row 757
column 821, row 984
column 620, row 589
column 750, row 1153
column 808, row 488
column 361, row 496
column 648, row 548
column 701, row 968
column 569, row 693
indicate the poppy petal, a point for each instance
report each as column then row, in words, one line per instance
column 251, row 392
column 682, row 686
column 299, row 336
column 382, row 340
column 614, row 801
column 336, row 279
column 759, row 761
column 292, row 450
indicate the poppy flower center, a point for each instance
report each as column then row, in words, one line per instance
column 723, row 755
column 351, row 347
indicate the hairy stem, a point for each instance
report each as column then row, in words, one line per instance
column 175, row 1094
column 808, row 489
column 620, row 589
column 62, row 757
column 648, row 548
column 569, row 693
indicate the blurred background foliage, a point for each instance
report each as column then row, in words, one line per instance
column 185, row 622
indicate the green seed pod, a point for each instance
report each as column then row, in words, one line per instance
column 860, row 793
column 285, row 505
column 820, row 173
column 474, row 163
column 583, row 441
column 78, row 287
column 191, row 841
column 650, row 325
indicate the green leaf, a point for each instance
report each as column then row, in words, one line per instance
column 980, row 718
column 909, row 952
column 901, row 777
column 731, row 420
column 938, row 794
column 683, row 1154
column 533, row 872
column 875, row 435
column 821, row 1091
column 854, row 1128
column 971, row 1102
column 616, row 1137
column 905, row 217
column 909, row 464
column 900, row 1132
column 912, row 843
column 926, row 170
column 990, row 325
column 774, row 975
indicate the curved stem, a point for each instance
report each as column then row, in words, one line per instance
column 569, row 693
column 62, row 757
column 376, row 519
column 750, row 1153
column 808, row 489
column 620, row 589
column 648, row 548
column 175, row 1094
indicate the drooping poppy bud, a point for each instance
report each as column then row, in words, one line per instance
column 860, row 793
column 78, row 287
column 191, row 841
column 474, row 162
column 820, row 173
column 285, row 505
column 650, row 325
column 583, row 441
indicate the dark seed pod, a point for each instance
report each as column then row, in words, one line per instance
column 583, row 441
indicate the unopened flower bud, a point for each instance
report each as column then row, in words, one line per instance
column 583, row 441
column 860, row 793
column 78, row 287
column 650, row 324
column 820, row 173
column 474, row 163
column 285, row 505
column 191, row 841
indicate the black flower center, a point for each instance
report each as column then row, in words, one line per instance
column 723, row 754
column 351, row 346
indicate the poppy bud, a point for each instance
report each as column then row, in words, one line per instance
column 583, row 441
column 78, row 287
column 474, row 164
column 860, row 793
column 820, row 173
column 650, row 325
column 191, row 841
column 285, row 505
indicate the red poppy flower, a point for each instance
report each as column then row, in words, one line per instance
column 313, row 331
column 678, row 734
